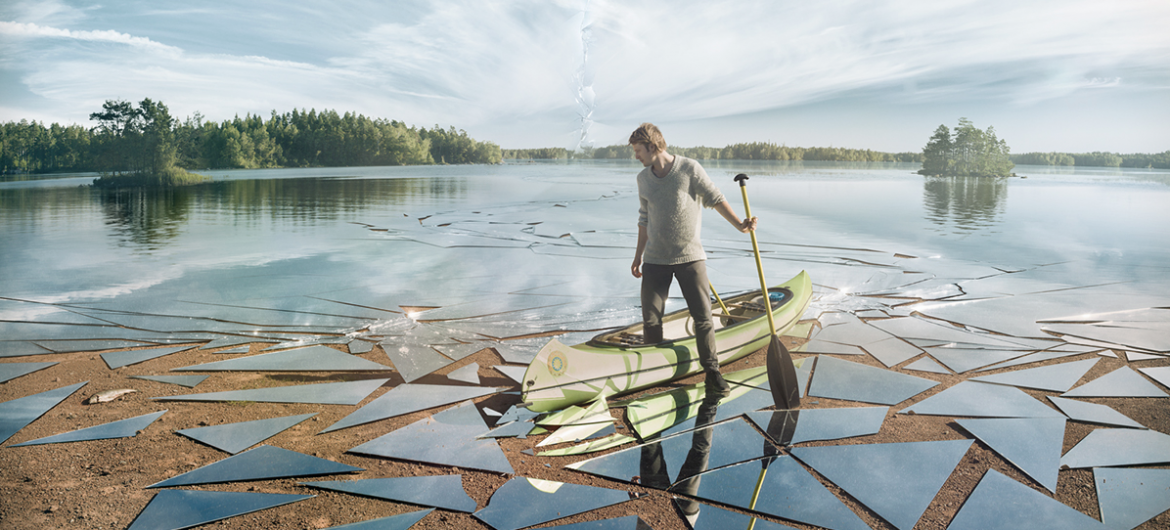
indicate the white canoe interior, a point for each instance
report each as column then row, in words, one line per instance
column 680, row 325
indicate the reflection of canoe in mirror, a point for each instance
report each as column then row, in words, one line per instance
column 617, row 362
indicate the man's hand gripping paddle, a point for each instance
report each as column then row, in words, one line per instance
column 781, row 372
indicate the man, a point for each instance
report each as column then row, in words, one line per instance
column 672, row 191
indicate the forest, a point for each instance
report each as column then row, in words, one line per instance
column 968, row 152
column 1096, row 159
column 742, row 151
column 140, row 139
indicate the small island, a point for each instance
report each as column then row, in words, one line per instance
column 968, row 152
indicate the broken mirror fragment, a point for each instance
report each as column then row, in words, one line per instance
column 1002, row 503
column 1130, row 497
column 629, row 522
column 702, row 516
column 824, row 346
column 189, row 381
column 838, row 379
column 10, row 371
column 407, row 398
column 577, row 432
column 463, row 350
column 787, row 427
column 402, row 521
column 414, row 360
column 466, row 374
column 574, row 414
column 523, row 502
column 21, row 349
column 982, row 400
column 1161, row 374
column 1122, row 382
column 236, row 350
column 1038, row 357
column 261, row 463
column 655, row 413
column 1107, row 353
column 729, row 408
column 1055, row 378
column 1031, row 444
column 517, row 412
column 515, row 373
column 235, row 437
column 515, row 429
column 1155, row 337
column 1093, row 413
column 1139, row 356
column 127, row 428
column 447, row 438
column 1119, row 447
column 18, row 413
column 593, row 446
column 436, row 491
column 118, row 359
column 71, row 346
column 928, row 365
column 177, row 509
column 312, row 358
column 347, row 393
column 917, row 328
column 786, row 491
column 892, row 351
column 897, row 481
column 962, row 360
column 358, row 346
column 661, row 463
column 855, row 333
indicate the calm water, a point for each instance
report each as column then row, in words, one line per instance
column 333, row 250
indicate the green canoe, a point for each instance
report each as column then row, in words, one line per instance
column 617, row 362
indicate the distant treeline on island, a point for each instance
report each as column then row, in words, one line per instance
column 743, row 151
column 1095, row 159
column 146, row 139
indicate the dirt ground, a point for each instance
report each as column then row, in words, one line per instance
column 100, row 484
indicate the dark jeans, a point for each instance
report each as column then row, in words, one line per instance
column 692, row 279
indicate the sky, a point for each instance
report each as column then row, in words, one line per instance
column 1067, row 75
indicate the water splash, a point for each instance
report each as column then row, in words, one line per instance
column 584, row 78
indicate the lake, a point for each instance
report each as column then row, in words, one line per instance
column 338, row 254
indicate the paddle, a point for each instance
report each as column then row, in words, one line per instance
column 781, row 372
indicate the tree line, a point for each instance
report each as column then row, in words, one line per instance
column 145, row 138
column 741, row 151
column 968, row 151
column 1096, row 158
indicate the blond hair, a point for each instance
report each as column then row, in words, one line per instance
column 648, row 134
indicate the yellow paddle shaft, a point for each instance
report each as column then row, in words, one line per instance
column 756, row 497
column 759, row 264
column 717, row 299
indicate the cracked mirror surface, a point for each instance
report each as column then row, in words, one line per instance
column 930, row 296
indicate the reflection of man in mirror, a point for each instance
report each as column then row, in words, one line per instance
column 671, row 192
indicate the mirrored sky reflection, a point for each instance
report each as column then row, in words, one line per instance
column 978, row 280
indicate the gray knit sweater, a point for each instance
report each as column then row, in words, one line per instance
column 670, row 209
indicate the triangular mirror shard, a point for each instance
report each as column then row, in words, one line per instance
column 897, row 481
column 1055, row 378
column 1031, row 358
column 176, row 509
column 808, row 425
column 786, row 491
column 447, row 438
column 1031, row 444
column 118, row 359
column 823, row 346
column 414, row 360
column 1119, row 447
column 1130, row 497
column 515, row 373
column 1161, row 374
column 1093, row 413
column 524, row 502
column 892, row 351
column 1139, row 356
column 347, row 393
column 926, row 364
column 10, row 371
column 235, row 437
column 402, row 521
column 189, row 381
column 982, row 400
column 838, row 379
column 1122, row 382
column 1002, row 503
column 437, row 491
column 466, row 374
column 313, row 358
column 126, row 428
column 18, row 413
column 660, row 463
column 407, row 398
column 264, row 462
column 629, row 522
column 961, row 360
column 708, row 517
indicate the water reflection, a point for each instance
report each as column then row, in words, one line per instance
column 145, row 219
column 966, row 204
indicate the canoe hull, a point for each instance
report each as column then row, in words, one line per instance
column 563, row 375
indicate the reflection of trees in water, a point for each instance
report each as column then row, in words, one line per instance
column 968, row 203
column 149, row 218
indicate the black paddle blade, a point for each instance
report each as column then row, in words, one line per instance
column 782, row 376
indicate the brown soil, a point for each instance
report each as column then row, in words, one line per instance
column 100, row 484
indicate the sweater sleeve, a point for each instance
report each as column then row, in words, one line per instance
column 705, row 189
